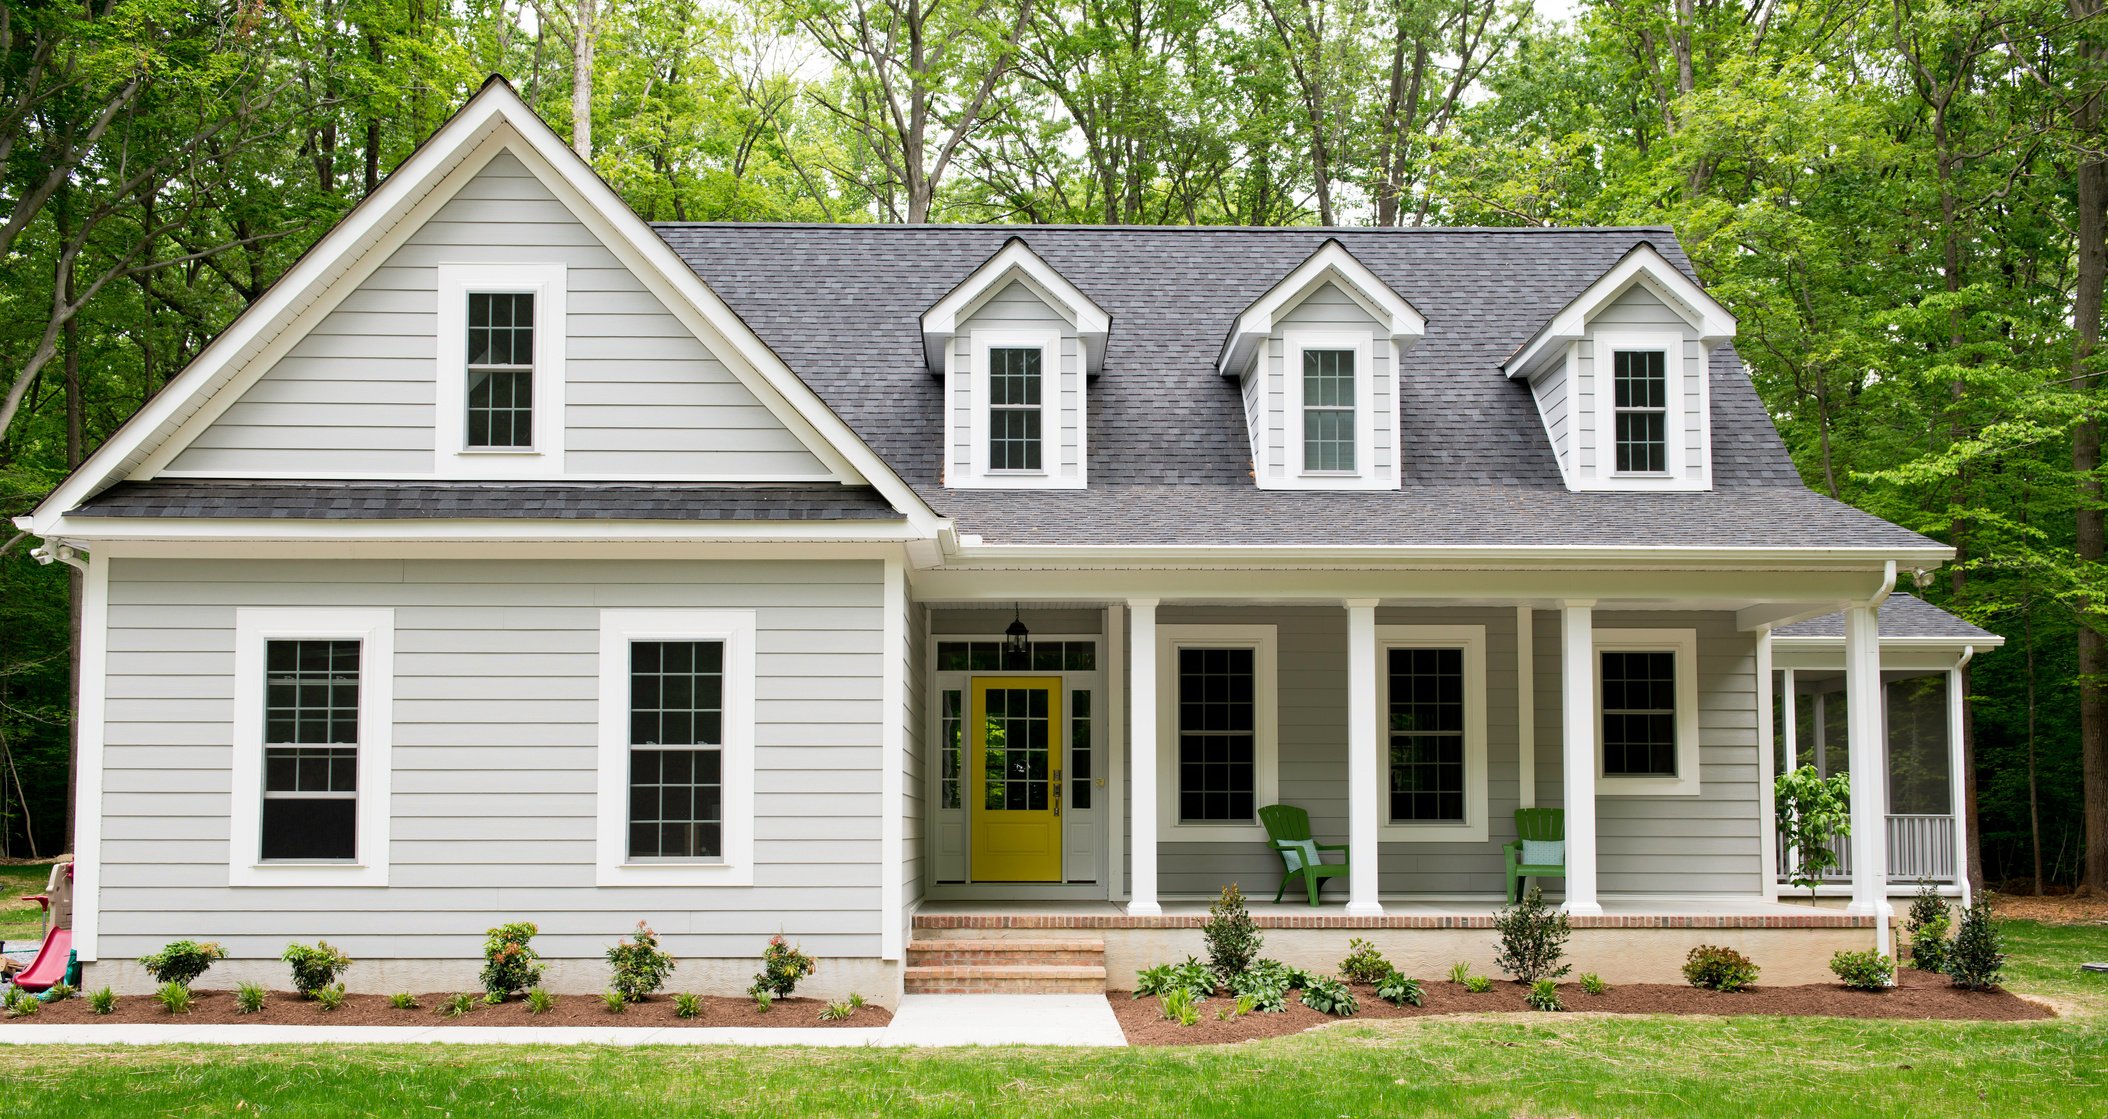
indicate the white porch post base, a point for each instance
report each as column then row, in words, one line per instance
column 1577, row 718
column 1363, row 764
column 1868, row 760
column 1141, row 737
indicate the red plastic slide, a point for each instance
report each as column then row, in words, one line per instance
column 53, row 961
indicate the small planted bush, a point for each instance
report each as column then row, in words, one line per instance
column 1399, row 989
column 1592, row 984
column 1238, row 1008
column 1233, row 941
column 314, row 966
column 837, row 1011
column 1265, row 989
column 1544, row 995
column 174, row 997
column 403, row 1000
column 1329, row 996
column 1927, row 925
column 782, row 966
column 1532, row 939
column 510, row 963
column 58, row 992
column 1713, row 968
column 1977, row 956
column 1180, row 1005
column 102, row 1001
column 615, row 1002
column 457, row 1006
column 249, row 998
column 687, row 1006
column 25, row 1004
column 1460, row 972
column 182, row 961
column 641, row 967
column 1364, row 964
column 1164, row 978
column 762, row 1001
column 330, row 997
column 1477, row 984
column 540, row 1001
column 1863, row 971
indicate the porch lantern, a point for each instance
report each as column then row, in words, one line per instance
column 1017, row 640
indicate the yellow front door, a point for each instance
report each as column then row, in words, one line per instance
column 1016, row 725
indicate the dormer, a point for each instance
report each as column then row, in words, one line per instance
column 1317, row 356
column 1017, row 345
column 1621, row 377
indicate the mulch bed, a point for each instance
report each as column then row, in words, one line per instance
column 288, row 1009
column 1918, row 995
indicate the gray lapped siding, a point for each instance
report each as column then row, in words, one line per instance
column 494, row 759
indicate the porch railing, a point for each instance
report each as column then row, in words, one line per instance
column 1919, row 846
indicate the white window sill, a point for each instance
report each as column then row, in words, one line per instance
column 1433, row 832
column 674, row 874
column 1175, row 832
column 498, row 451
column 1647, row 786
column 308, row 874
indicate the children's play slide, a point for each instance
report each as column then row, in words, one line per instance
column 55, row 960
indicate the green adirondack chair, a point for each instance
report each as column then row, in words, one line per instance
column 1537, row 825
column 1288, row 832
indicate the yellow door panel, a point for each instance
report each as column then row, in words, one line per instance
column 1016, row 749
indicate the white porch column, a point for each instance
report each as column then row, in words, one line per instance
column 1141, row 737
column 1788, row 695
column 1767, row 764
column 1958, row 781
column 1577, row 725
column 1869, row 762
column 1362, row 765
column 1525, row 707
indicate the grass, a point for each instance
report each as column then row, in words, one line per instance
column 1493, row 1065
column 21, row 920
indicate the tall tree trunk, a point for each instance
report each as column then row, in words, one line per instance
column 583, row 31
column 2086, row 460
column 2034, row 798
column 373, row 118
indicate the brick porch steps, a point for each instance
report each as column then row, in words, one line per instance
column 962, row 965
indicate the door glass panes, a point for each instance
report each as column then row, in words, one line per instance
column 311, row 750
column 1016, row 750
column 1426, row 730
column 952, row 728
column 1079, row 749
column 1039, row 656
column 1217, row 722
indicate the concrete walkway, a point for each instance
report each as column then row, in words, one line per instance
column 921, row 1020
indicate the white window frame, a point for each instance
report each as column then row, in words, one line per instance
column 1683, row 643
column 1294, row 343
column 452, row 457
column 1603, row 395
column 980, row 397
column 254, row 627
column 736, row 629
column 1472, row 640
column 1264, row 641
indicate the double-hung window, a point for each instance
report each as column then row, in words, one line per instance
column 676, row 789
column 1431, row 703
column 313, row 693
column 1217, row 730
column 1329, row 425
column 1016, row 395
column 500, row 371
column 1640, row 399
column 1648, row 720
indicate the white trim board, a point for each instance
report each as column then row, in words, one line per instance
column 1016, row 261
column 451, row 455
column 1369, row 472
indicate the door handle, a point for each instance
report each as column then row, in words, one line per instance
column 1057, row 792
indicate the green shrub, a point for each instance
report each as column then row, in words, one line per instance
column 1811, row 810
column 249, row 998
column 856, row 1000
column 1233, row 941
column 457, row 1006
column 1265, row 989
column 1329, row 996
column 1718, row 969
column 1238, row 1008
column 58, row 992
column 1927, row 925
column 1399, row 989
column 1460, row 972
column 1162, row 979
column 782, row 966
column 330, row 997
column 1592, row 984
column 1180, row 1005
column 314, row 967
column 27, row 1005
column 1976, row 957
column 836, row 1011
column 182, row 961
column 1532, row 939
column 403, row 1000
column 174, row 996
column 687, row 1006
column 762, row 1000
column 102, row 1001
column 1544, row 995
column 615, row 1002
column 510, row 963
column 1477, row 984
column 540, row 1001
column 641, row 967
column 1364, row 964
column 1863, row 971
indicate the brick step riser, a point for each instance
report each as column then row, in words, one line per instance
column 968, row 957
column 1005, row 987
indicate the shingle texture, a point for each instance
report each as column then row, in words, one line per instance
column 577, row 501
column 1169, row 457
column 1901, row 615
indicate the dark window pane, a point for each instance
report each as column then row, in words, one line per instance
column 1328, row 409
column 1015, row 392
column 1639, row 714
column 1641, row 400
column 674, row 804
column 1217, row 721
column 311, row 692
column 676, row 700
column 310, row 828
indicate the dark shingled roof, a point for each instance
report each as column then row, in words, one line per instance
column 1169, row 458
column 1901, row 615
column 563, row 501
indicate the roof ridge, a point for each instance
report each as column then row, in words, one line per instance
column 1014, row 227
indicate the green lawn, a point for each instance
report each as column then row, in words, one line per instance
column 21, row 920
column 1536, row 1065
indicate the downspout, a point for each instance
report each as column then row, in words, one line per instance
column 1958, row 781
column 1881, row 911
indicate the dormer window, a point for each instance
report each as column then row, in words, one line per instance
column 1328, row 411
column 1641, row 399
column 1016, row 425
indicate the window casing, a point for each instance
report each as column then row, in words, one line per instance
column 1643, row 416
column 313, row 698
column 676, row 791
column 1329, row 430
column 1024, row 411
column 1647, row 712
column 1431, row 756
column 1217, row 731
column 500, row 398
